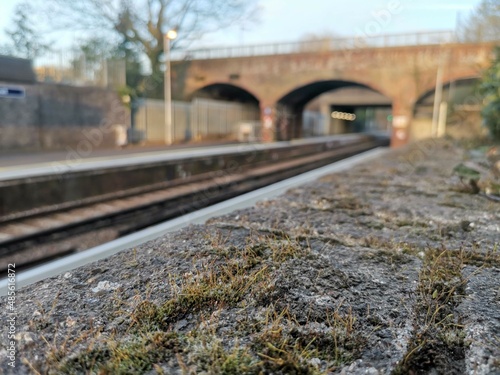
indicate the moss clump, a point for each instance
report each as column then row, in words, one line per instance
column 232, row 276
column 214, row 287
column 438, row 339
column 137, row 355
column 206, row 353
column 490, row 258
column 393, row 257
column 287, row 347
column 277, row 343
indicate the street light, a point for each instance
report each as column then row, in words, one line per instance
column 170, row 35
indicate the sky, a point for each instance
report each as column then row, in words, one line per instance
column 292, row 20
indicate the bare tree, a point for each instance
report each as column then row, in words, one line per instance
column 142, row 23
column 483, row 24
column 25, row 42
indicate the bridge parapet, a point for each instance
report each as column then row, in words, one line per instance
column 321, row 45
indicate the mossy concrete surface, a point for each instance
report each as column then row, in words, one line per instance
column 389, row 268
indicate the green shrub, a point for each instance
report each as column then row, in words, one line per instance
column 490, row 88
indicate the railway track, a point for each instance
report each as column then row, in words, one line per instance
column 39, row 237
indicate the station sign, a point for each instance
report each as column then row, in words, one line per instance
column 11, row 92
column 400, row 121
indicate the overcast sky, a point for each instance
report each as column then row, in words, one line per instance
column 290, row 20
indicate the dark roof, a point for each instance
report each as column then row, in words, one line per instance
column 13, row 69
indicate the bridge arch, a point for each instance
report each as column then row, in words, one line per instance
column 224, row 108
column 290, row 106
column 463, row 105
column 401, row 72
column 448, row 83
column 225, row 91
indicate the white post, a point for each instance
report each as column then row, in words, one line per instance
column 438, row 94
column 168, row 93
column 443, row 111
column 105, row 68
column 170, row 35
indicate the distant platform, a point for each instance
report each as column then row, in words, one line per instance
column 24, row 165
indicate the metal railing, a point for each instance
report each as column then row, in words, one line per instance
column 73, row 68
column 320, row 45
column 199, row 119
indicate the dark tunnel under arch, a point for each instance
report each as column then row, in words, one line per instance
column 291, row 105
column 225, row 92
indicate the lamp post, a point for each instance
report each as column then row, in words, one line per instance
column 170, row 35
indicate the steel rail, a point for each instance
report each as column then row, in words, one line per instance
column 73, row 261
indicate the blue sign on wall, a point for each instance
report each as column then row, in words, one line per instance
column 12, row 92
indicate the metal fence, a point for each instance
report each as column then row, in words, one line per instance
column 199, row 119
column 74, row 68
column 313, row 124
column 328, row 44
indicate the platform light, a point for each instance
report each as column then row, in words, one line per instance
column 343, row 116
column 172, row 34
column 169, row 35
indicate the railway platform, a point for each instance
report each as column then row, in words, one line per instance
column 26, row 165
column 69, row 206
column 30, row 158
column 390, row 266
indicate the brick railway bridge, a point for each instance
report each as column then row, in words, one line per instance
column 282, row 78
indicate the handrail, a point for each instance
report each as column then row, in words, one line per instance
column 320, row 45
